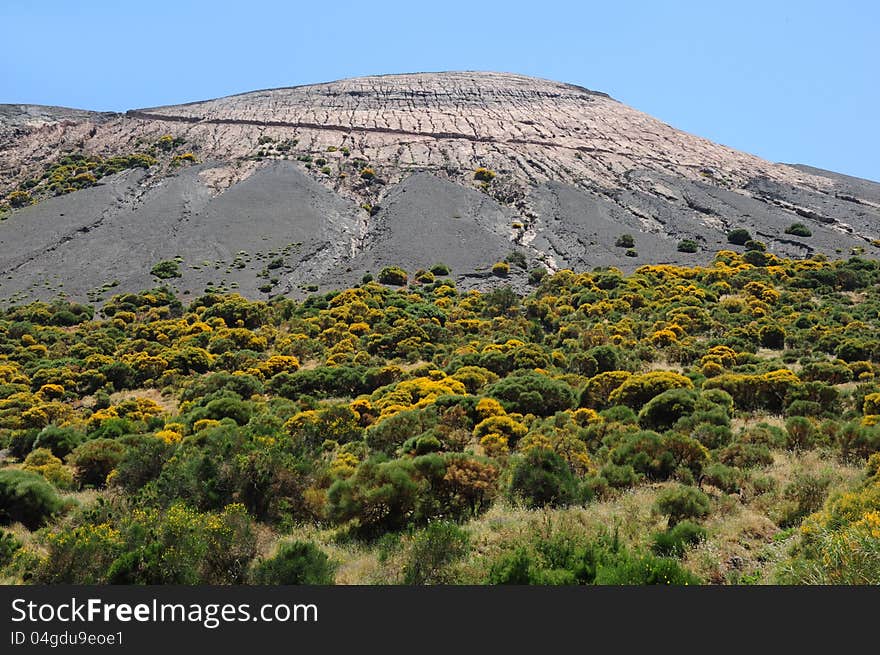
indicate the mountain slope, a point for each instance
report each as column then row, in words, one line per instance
column 336, row 180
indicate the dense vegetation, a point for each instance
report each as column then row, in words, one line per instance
column 74, row 171
column 677, row 425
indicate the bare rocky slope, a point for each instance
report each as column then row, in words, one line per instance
column 296, row 189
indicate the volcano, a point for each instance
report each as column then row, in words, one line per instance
column 295, row 190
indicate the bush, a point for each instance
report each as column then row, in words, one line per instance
column 166, row 270
column 619, row 476
column 151, row 546
column 664, row 410
column 637, row 390
column 517, row 258
column 537, row 274
column 801, row 433
column 512, row 569
column 296, row 563
column 484, row 175
column 658, row 457
column 772, row 336
column 432, row 550
column 389, row 434
column 798, row 230
column 625, row 241
column 739, row 236
column 94, row 460
column 440, row 269
column 542, row 478
column 608, row 358
column 27, row 498
column 631, row 569
column 42, row 461
column 61, row 441
column 805, row 494
column 681, row 502
column 859, row 441
column 688, row 245
column 9, row 545
column 501, row 269
column 532, row 393
column 19, row 198
column 756, row 257
column 598, row 388
column 675, row 540
column 144, row 457
column 746, row 455
column 380, row 496
column 393, row 275
column 726, row 478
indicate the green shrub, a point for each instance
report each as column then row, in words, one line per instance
column 517, row 258
column 688, row 245
column 27, row 498
column 295, row 563
column 859, row 441
column 532, row 393
column 738, row 236
column 805, row 494
column 798, row 230
column 393, row 275
column 9, row 545
column 608, row 358
column 94, row 460
column 537, row 274
column 772, row 336
column 512, row 569
column 166, row 270
column 142, row 461
column 746, row 455
column 151, row 546
column 61, row 441
column 664, row 410
column 674, row 541
column 801, row 433
column 632, row 569
column 625, row 241
column 755, row 257
column 542, row 478
column 681, row 502
column 380, row 496
column 432, row 550
column 710, row 434
column 619, row 476
column 658, row 456
column 726, row 478
column 389, row 434
column 440, row 269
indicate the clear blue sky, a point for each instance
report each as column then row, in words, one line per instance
column 791, row 81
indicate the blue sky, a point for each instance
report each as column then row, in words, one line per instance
column 790, row 81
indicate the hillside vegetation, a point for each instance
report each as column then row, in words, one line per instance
column 678, row 425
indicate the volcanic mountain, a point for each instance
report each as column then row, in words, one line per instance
column 292, row 190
